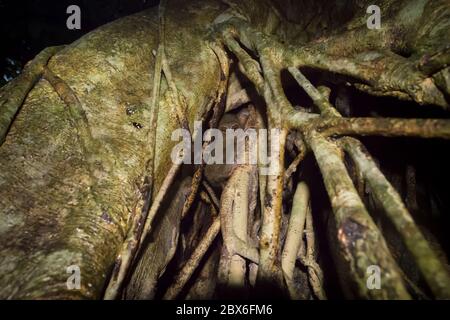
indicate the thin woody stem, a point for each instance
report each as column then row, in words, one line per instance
column 181, row 113
column 325, row 107
column 77, row 114
column 209, row 190
column 388, row 127
column 168, row 180
column 154, row 105
column 139, row 230
column 309, row 260
column 218, row 110
column 250, row 67
column 191, row 265
column 195, row 185
column 295, row 163
column 271, row 219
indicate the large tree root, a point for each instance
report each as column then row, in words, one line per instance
column 261, row 245
column 182, row 278
column 308, row 259
column 361, row 244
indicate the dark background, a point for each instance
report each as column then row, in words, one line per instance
column 28, row 26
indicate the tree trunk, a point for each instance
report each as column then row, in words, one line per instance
column 58, row 207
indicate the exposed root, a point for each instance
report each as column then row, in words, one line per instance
column 183, row 277
column 325, row 107
column 141, row 225
column 14, row 93
column 138, row 231
column 388, row 127
column 433, row 270
column 218, row 110
column 309, row 259
column 294, row 237
column 140, row 228
column 384, row 72
column 295, row 163
column 77, row 114
column 211, row 194
column 195, row 185
column 155, row 98
column 234, row 214
column 249, row 66
column 359, row 240
column 269, row 268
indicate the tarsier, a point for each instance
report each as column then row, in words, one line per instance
column 238, row 203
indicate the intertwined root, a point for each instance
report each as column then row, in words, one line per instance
column 360, row 243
